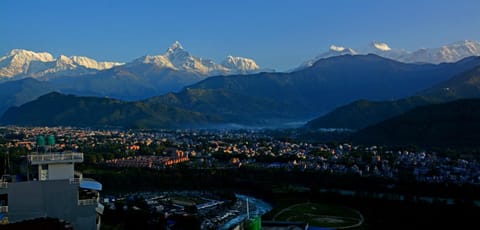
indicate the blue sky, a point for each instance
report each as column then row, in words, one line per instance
column 278, row 34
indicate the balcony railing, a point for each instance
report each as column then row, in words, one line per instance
column 87, row 202
column 55, row 158
column 100, row 208
column 3, row 185
column 75, row 180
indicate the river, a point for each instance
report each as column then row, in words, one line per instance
column 258, row 208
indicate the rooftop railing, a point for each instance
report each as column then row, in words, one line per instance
column 55, row 157
column 3, row 185
column 75, row 180
column 92, row 201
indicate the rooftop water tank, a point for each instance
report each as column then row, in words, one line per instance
column 40, row 141
column 51, row 140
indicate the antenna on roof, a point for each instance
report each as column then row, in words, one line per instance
column 248, row 211
column 5, row 163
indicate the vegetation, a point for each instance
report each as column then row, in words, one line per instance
column 255, row 99
column 15, row 93
column 321, row 215
column 452, row 124
column 56, row 109
column 274, row 186
column 363, row 113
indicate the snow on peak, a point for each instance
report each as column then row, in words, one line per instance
column 64, row 59
column 177, row 58
column 175, row 47
column 93, row 64
column 449, row 53
column 381, row 46
column 464, row 43
column 28, row 55
column 465, row 48
column 240, row 64
column 337, row 48
column 18, row 61
column 27, row 63
column 340, row 50
column 332, row 52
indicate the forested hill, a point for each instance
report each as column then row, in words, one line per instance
column 452, row 124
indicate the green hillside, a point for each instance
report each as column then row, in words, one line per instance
column 363, row 113
column 454, row 124
column 57, row 109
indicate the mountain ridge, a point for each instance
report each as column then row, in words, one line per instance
column 77, row 111
column 266, row 98
column 177, row 58
column 19, row 63
column 362, row 113
column 452, row 52
column 451, row 124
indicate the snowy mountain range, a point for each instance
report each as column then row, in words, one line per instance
column 449, row 53
column 24, row 63
column 177, row 58
column 21, row 63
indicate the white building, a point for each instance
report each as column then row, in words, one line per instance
column 56, row 191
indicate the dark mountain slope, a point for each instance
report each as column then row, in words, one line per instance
column 329, row 83
column 15, row 93
column 453, row 124
column 128, row 82
column 263, row 98
column 465, row 85
column 57, row 109
column 363, row 113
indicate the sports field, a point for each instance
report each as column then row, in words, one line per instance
column 321, row 215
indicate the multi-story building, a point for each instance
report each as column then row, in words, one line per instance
column 56, row 190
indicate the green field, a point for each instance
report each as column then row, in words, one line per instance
column 321, row 215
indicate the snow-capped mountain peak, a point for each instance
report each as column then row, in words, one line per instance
column 240, row 64
column 18, row 61
column 467, row 46
column 28, row 55
column 334, row 50
column 65, row 62
column 448, row 53
column 181, row 59
column 26, row 63
column 176, row 46
column 381, row 46
column 340, row 50
column 93, row 64
column 177, row 58
column 337, row 48
column 64, row 59
column 176, row 50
